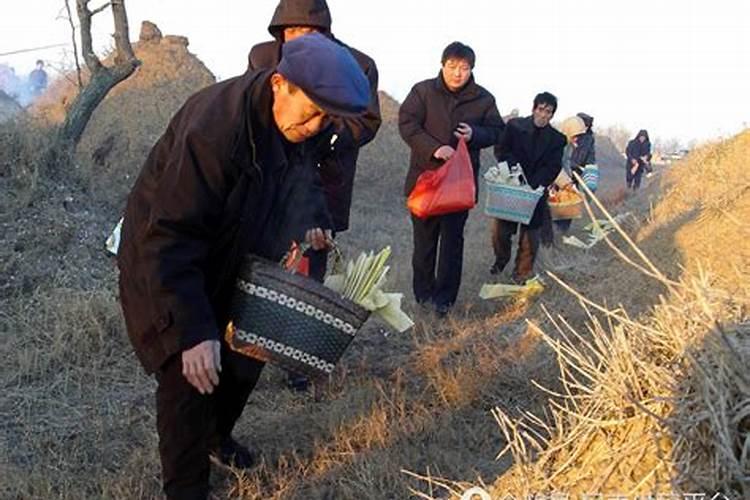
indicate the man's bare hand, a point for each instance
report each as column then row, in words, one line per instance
column 464, row 131
column 443, row 152
column 318, row 238
column 201, row 365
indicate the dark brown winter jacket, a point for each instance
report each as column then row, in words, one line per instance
column 430, row 114
column 218, row 184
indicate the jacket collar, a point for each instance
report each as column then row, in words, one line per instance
column 258, row 125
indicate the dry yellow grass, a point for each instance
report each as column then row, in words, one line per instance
column 659, row 403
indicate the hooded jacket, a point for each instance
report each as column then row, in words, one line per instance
column 635, row 150
column 218, row 184
column 337, row 157
column 430, row 114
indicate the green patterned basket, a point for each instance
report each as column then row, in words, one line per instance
column 511, row 203
column 290, row 320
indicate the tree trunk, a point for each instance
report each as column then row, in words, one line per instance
column 103, row 78
column 88, row 99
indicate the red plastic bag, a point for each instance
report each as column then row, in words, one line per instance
column 295, row 261
column 445, row 190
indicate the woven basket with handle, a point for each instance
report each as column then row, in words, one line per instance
column 290, row 320
column 511, row 203
column 564, row 211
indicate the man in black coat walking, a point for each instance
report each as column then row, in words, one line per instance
column 538, row 148
column 231, row 175
column 434, row 116
column 338, row 146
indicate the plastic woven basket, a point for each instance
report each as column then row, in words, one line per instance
column 511, row 203
column 290, row 320
column 565, row 211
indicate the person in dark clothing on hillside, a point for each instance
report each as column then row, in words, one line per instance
column 435, row 114
column 538, row 148
column 38, row 79
column 638, row 153
column 584, row 152
column 337, row 147
column 232, row 174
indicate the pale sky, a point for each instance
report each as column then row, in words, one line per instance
column 676, row 67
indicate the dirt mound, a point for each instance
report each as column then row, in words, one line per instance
column 134, row 114
column 382, row 163
column 388, row 108
column 607, row 153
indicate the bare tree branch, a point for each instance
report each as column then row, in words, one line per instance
column 122, row 39
column 62, row 72
column 75, row 44
column 87, row 49
column 99, row 9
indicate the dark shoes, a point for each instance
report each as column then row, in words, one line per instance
column 440, row 310
column 497, row 268
column 230, row 453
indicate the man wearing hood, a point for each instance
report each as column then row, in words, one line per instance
column 638, row 153
column 231, row 175
column 433, row 117
column 338, row 146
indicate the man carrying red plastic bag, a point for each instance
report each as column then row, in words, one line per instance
column 445, row 118
column 448, row 189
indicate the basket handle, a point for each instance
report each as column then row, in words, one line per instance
column 294, row 255
column 521, row 175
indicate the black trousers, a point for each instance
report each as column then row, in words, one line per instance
column 190, row 424
column 528, row 245
column 633, row 180
column 438, row 257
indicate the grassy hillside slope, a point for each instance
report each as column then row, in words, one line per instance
column 76, row 411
